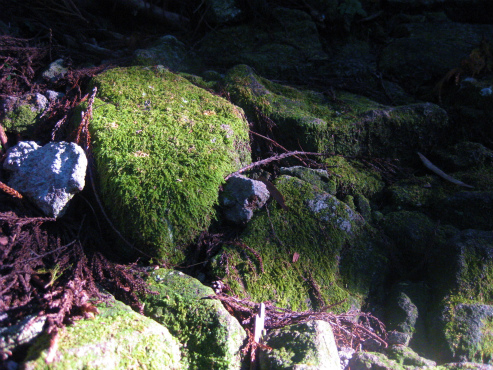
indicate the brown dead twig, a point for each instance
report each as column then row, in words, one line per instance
column 350, row 329
column 276, row 157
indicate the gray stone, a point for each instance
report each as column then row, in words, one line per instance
column 222, row 11
column 55, row 71
column 53, row 96
column 468, row 210
column 318, row 177
column 308, row 346
column 49, row 176
column 169, row 52
column 467, row 332
column 21, row 114
column 397, row 337
column 241, row 196
column 20, row 334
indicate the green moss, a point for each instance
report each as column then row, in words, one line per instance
column 117, row 338
column 211, row 337
column 162, row 148
column 327, row 226
column 353, row 178
column 341, row 123
column 21, row 120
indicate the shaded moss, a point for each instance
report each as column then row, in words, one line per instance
column 338, row 123
column 162, row 148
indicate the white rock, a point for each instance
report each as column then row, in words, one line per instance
column 49, row 176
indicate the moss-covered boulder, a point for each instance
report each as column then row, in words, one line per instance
column 315, row 252
column 211, row 337
column 117, row 338
column 310, row 346
column 267, row 45
column 339, row 123
column 162, row 147
column 462, row 277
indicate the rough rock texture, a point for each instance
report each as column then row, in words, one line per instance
column 162, row 147
column 20, row 114
column 309, row 346
column 345, row 123
column 267, row 46
column 169, row 52
column 117, row 338
column 211, row 337
column 427, row 50
column 55, row 71
column 241, row 196
column 463, row 276
column 317, row 237
column 15, row 337
column 49, row 176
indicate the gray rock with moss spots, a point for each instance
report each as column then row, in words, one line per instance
column 117, row 338
column 21, row 114
column 308, row 346
column 49, row 176
column 318, row 177
column 241, row 197
column 211, row 337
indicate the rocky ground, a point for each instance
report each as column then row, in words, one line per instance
column 330, row 158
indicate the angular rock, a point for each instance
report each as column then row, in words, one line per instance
column 14, row 339
column 169, row 52
column 211, row 337
column 267, row 46
column 55, row 71
column 49, row 176
column 309, row 346
column 316, row 177
column 162, row 148
column 317, row 237
column 468, row 210
column 117, row 338
column 241, row 196
column 344, row 123
column 428, row 50
column 20, row 114
column 468, row 333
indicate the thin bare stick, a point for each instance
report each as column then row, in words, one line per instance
column 10, row 191
column 440, row 173
column 276, row 144
column 271, row 159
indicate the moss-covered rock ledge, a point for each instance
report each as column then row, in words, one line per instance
column 162, row 147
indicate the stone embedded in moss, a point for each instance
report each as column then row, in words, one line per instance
column 345, row 123
column 21, row 115
column 117, row 338
column 310, row 345
column 327, row 235
column 212, row 338
column 162, row 147
column 317, row 177
column 469, row 210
